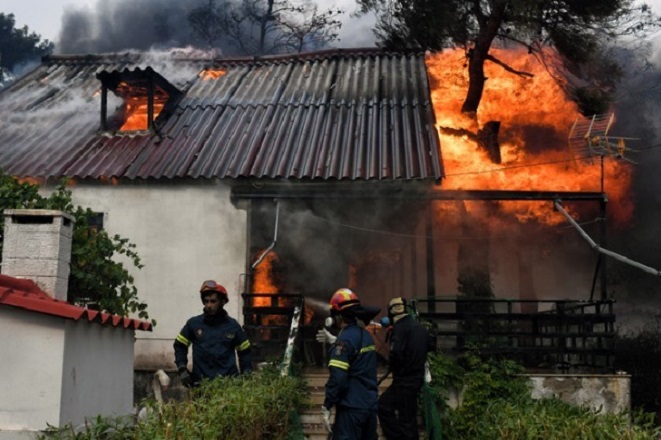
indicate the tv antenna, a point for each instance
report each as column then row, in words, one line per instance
column 592, row 136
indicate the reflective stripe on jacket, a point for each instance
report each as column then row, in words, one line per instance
column 353, row 361
column 215, row 340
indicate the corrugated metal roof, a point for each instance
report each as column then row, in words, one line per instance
column 342, row 114
column 25, row 294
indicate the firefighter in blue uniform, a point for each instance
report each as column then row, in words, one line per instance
column 352, row 385
column 216, row 338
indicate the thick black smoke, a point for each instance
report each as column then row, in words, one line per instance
column 118, row 25
column 638, row 111
column 114, row 26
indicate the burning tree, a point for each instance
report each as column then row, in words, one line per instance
column 263, row 27
column 570, row 38
column 578, row 30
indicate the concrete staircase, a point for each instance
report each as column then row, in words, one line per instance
column 311, row 418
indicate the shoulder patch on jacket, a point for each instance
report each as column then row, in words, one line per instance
column 339, row 349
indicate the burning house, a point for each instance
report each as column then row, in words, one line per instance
column 297, row 175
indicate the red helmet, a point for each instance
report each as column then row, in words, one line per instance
column 212, row 286
column 342, row 299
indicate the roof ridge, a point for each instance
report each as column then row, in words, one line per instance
column 137, row 56
column 320, row 54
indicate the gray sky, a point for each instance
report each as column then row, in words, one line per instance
column 44, row 17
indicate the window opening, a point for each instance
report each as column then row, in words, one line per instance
column 145, row 98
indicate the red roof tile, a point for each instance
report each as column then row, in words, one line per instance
column 26, row 295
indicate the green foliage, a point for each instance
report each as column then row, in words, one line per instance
column 95, row 278
column 255, row 407
column 106, row 428
column 639, row 354
column 496, row 404
column 552, row 419
column 19, row 45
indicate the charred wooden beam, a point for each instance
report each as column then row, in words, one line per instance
column 487, row 139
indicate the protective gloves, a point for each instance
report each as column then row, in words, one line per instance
column 324, row 335
column 327, row 418
column 185, row 377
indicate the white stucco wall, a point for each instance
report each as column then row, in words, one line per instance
column 31, row 369
column 185, row 232
column 97, row 376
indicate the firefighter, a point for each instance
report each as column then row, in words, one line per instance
column 352, row 383
column 409, row 344
column 216, row 338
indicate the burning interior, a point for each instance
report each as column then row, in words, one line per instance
column 145, row 96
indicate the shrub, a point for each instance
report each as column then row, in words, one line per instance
column 252, row 407
column 496, row 404
column 639, row 354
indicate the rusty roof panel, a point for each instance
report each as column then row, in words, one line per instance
column 342, row 114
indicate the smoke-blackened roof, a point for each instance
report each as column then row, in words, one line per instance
column 341, row 114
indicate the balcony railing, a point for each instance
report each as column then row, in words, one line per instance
column 543, row 335
column 267, row 319
column 556, row 335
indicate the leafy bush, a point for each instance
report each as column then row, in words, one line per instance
column 252, row 407
column 496, row 404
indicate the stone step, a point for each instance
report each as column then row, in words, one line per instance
column 311, row 417
column 313, row 425
column 317, row 379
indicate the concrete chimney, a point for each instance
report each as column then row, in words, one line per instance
column 37, row 246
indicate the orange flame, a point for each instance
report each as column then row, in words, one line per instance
column 209, row 74
column 536, row 117
column 138, row 114
column 109, row 180
column 263, row 279
column 263, row 282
